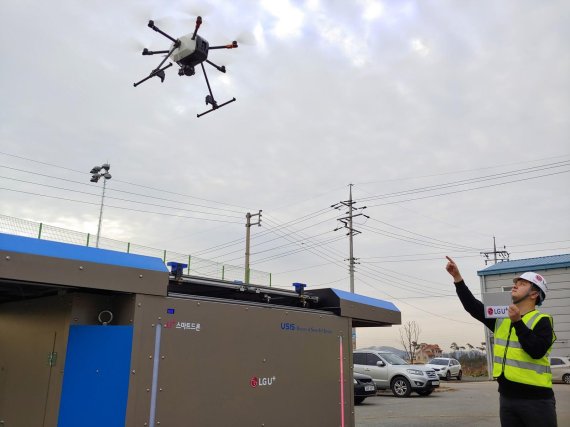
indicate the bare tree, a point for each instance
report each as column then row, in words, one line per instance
column 409, row 336
column 454, row 346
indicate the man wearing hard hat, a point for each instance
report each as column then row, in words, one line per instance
column 521, row 348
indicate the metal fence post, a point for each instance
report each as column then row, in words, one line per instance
column 40, row 230
column 128, row 247
column 189, row 259
column 223, row 271
column 88, row 236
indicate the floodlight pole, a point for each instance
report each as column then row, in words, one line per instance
column 100, row 214
column 97, row 173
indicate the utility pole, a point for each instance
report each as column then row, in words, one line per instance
column 347, row 222
column 503, row 255
column 248, row 225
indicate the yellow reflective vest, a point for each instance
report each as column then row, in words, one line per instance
column 510, row 359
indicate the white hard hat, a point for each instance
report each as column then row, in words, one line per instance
column 535, row 279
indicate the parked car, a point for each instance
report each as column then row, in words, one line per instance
column 446, row 367
column 560, row 367
column 390, row 371
column 363, row 387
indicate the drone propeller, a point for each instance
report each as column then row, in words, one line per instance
column 193, row 11
column 135, row 45
column 246, row 38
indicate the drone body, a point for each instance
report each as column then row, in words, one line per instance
column 188, row 51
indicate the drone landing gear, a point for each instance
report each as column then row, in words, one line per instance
column 159, row 71
column 156, row 72
column 210, row 98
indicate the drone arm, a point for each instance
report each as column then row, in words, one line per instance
column 154, row 73
column 159, row 71
column 233, row 45
column 153, row 52
column 198, row 23
column 158, row 30
column 176, row 45
column 217, row 67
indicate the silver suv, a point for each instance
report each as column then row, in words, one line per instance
column 446, row 367
column 391, row 371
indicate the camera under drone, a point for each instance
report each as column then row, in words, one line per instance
column 188, row 51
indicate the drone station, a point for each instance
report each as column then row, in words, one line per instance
column 93, row 337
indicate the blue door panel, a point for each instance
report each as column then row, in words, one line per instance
column 96, row 376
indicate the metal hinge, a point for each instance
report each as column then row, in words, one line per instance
column 52, row 358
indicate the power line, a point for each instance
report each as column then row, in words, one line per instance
column 124, row 182
column 119, row 199
column 301, row 268
column 438, row 315
column 118, row 207
column 316, row 252
column 412, row 239
column 421, row 259
column 110, row 189
column 241, row 240
column 518, row 163
column 469, row 189
column 470, row 180
column 422, row 235
column 267, row 231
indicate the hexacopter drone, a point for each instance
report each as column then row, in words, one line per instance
column 188, row 51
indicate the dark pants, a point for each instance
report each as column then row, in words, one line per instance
column 528, row 412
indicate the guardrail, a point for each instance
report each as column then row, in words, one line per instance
column 196, row 266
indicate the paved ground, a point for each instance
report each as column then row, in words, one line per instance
column 454, row 403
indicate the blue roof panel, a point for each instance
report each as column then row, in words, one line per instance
column 361, row 299
column 519, row 265
column 27, row 245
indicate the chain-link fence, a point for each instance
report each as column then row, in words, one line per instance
column 196, row 266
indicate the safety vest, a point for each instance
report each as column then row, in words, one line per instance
column 513, row 361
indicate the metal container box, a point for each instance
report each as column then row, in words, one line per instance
column 90, row 337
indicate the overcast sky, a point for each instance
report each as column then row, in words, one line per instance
column 451, row 119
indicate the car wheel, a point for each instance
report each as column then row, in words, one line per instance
column 448, row 376
column 359, row 400
column 401, row 387
column 425, row 392
column 566, row 378
column 459, row 375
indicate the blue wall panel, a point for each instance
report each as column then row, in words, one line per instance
column 96, row 376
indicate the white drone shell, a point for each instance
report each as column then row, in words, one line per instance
column 188, row 47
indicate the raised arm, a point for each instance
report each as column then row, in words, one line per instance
column 471, row 304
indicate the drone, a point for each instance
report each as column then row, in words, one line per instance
column 188, row 51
